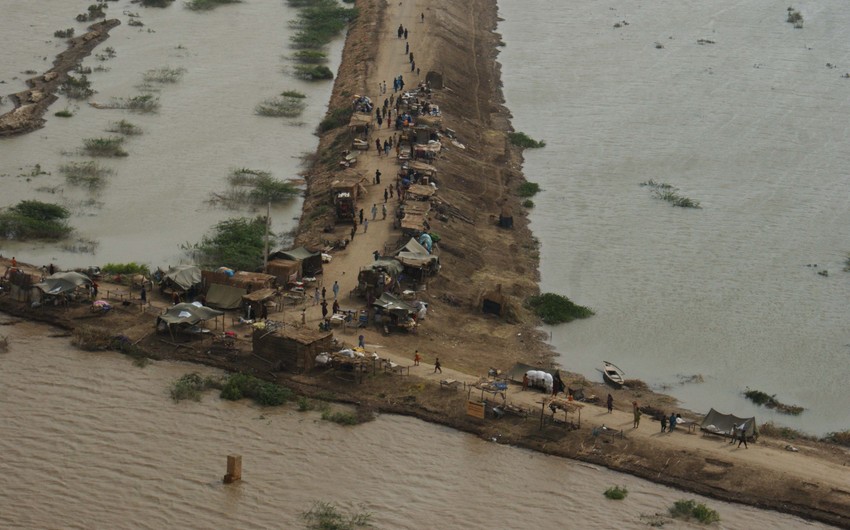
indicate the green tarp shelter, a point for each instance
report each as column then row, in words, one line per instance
column 225, row 296
column 182, row 277
column 187, row 313
column 63, row 282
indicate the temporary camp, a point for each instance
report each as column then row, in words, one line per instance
column 417, row 261
column 184, row 316
column 257, row 300
column 182, row 278
column 311, row 262
column 63, row 282
column 225, row 296
column 378, row 276
column 725, row 424
column 396, row 310
column 286, row 271
column 291, row 349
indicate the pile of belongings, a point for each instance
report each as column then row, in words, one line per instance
column 362, row 104
column 539, row 378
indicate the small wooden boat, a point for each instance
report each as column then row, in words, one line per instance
column 612, row 374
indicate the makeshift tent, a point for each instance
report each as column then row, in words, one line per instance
column 187, row 313
column 412, row 254
column 182, row 277
column 225, row 296
column 63, row 282
column 257, row 299
column 519, row 369
column 311, row 262
column 286, row 271
column 723, row 424
column 392, row 305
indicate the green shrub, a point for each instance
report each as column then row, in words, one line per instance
column 64, row 113
column 761, row 398
column 690, row 509
column 556, row 309
column 616, row 493
column 310, row 56
column 237, row 243
column 126, row 268
column 528, row 203
column 76, row 87
column 156, row 3
column 838, row 438
column 520, row 139
column 189, row 386
column 305, row 404
column 34, row 220
column 336, row 118
column 342, row 418
column 313, row 72
column 64, row 34
column 264, row 393
column 528, row 189
column 281, row 107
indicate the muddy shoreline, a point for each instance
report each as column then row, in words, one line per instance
column 481, row 179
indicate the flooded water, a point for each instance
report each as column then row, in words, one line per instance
column 748, row 124
column 155, row 201
column 92, row 441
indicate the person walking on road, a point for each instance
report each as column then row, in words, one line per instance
column 416, row 358
column 316, row 297
column 386, row 195
column 361, row 215
column 324, row 293
column 638, row 414
column 384, row 211
column 374, row 210
column 335, row 289
column 324, row 309
column 437, row 366
column 377, row 176
column 365, row 226
column 610, row 403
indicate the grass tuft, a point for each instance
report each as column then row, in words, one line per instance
column 616, row 493
column 104, row 146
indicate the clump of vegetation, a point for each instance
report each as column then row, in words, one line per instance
column 669, row 193
column 252, row 186
column 528, row 189
column 108, row 53
column 98, row 339
column 340, row 417
column 838, row 438
column 310, row 57
column 104, row 146
column 795, row 17
column 304, row 404
column 34, row 220
column 761, row 398
column 326, row 516
column 336, row 118
column 206, row 5
column 89, row 173
column 126, row 268
column 190, row 386
column 134, row 22
column 95, row 12
column 163, row 75
column 281, row 107
column 64, row 34
column 77, row 87
column 124, row 127
column 238, row 386
column 773, row 430
column 616, row 493
column 237, row 243
column 556, row 309
column 318, row 22
column 528, row 203
column 520, row 139
column 690, row 509
column 64, row 113
column 156, row 3
column 141, row 103
column 313, row 72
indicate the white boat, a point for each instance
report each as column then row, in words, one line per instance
column 613, row 374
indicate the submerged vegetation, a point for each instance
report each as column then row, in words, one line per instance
column 124, row 127
column 142, row 103
column 795, row 18
column 232, row 387
column 76, row 87
column 557, row 309
column 313, row 72
column 318, row 22
column 253, row 187
column 34, row 220
column 156, row 3
column 616, row 493
column 690, row 509
column 520, row 139
column 64, row 113
column 104, row 146
column 762, row 398
column 90, row 173
column 669, row 193
column 163, row 74
column 326, row 516
column 310, row 56
column 206, row 5
column 288, row 105
column 64, row 34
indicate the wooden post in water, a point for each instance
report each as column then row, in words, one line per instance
column 234, row 469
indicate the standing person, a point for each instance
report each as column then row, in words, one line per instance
column 360, row 214
column 380, row 120
column 14, row 263
column 335, row 307
column 365, row 226
column 663, row 422
column 400, row 30
column 390, row 189
column 410, row 57
column 384, row 210
column 412, row 66
column 742, row 435
column 143, row 295
column 335, row 289
column 610, row 403
column 94, row 287
column 374, row 210
column 377, row 178
column 416, row 358
column 386, row 195
column 324, row 293
column 417, row 72
column 405, row 33
column 304, row 316
column 316, row 297
column 437, row 366
column 422, row 17
column 324, row 309
column 672, row 422
column 406, row 48
column 384, row 88
column 733, row 434
column 638, row 414
column 51, row 269
column 378, row 145
column 376, row 254
column 361, row 342
column 354, row 230
column 386, row 148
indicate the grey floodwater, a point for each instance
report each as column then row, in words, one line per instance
column 234, row 57
column 92, row 441
column 740, row 111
